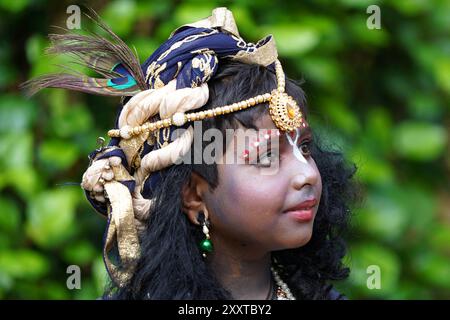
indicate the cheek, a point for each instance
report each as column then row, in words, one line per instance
column 246, row 202
column 255, row 194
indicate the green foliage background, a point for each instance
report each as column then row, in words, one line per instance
column 381, row 96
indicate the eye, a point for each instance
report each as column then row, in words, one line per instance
column 305, row 147
column 267, row 159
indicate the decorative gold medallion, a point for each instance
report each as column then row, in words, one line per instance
column 285, row 111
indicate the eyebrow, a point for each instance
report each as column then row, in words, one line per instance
column 305, row 133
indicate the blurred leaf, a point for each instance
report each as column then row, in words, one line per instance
column 55, row 291
column 58, row 154
column 87, row 291
column 6, row 282
column 340, row 116
column 101, row 277
column 357, row 26
column 23, row 264
column 126, row 10
column 419, row 140
column 362, row 256
column 440, row 19
column 397, row 85
column 442, row 72
column 421, row 205
column 72, row 120
column 188, row 12
column 35, row 47
column 8, row 73
column 412, row 7
column 26, row 181
column 383, row 216
column 148, row 9
column 246, row 23
column 16, row 114
column 322, row 70
column 425, row 106
column 433, row 268
column 440, row 239
column 144, row 47
column 411, row 291
column 292, row 39
column 6, row 240
column 16, row 150
column 361, row 4
column 378, row 130
column 9, row 217
column 165, row 28
column 50, row 216
column 79, row 253
column 372, row 170
column 13, row 6
column 327, row 27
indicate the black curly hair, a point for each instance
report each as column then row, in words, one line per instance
column 171, row 264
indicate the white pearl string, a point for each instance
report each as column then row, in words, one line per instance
column 286, row 292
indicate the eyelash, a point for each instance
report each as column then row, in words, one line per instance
column 269, row 155
column 306, row 143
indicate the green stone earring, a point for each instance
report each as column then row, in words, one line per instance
column 206, row 244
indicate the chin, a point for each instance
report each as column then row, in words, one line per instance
column 303, row 241
column 296, row 240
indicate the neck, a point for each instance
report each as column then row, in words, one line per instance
column 246, row 277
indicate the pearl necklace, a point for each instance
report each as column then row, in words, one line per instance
column 283, row 291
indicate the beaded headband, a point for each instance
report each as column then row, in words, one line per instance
column 283, row 109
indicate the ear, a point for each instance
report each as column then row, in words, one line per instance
column 192, row 198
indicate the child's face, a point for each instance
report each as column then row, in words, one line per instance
column 249, row 208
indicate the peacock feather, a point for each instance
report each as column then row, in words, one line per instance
column 111, row 58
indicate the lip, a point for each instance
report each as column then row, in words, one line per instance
column 303, row 211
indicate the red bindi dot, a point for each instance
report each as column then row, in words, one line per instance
column 292, row 134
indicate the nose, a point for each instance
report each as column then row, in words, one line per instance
column 304, row 174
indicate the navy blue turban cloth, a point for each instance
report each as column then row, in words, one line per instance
column 177, row 58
